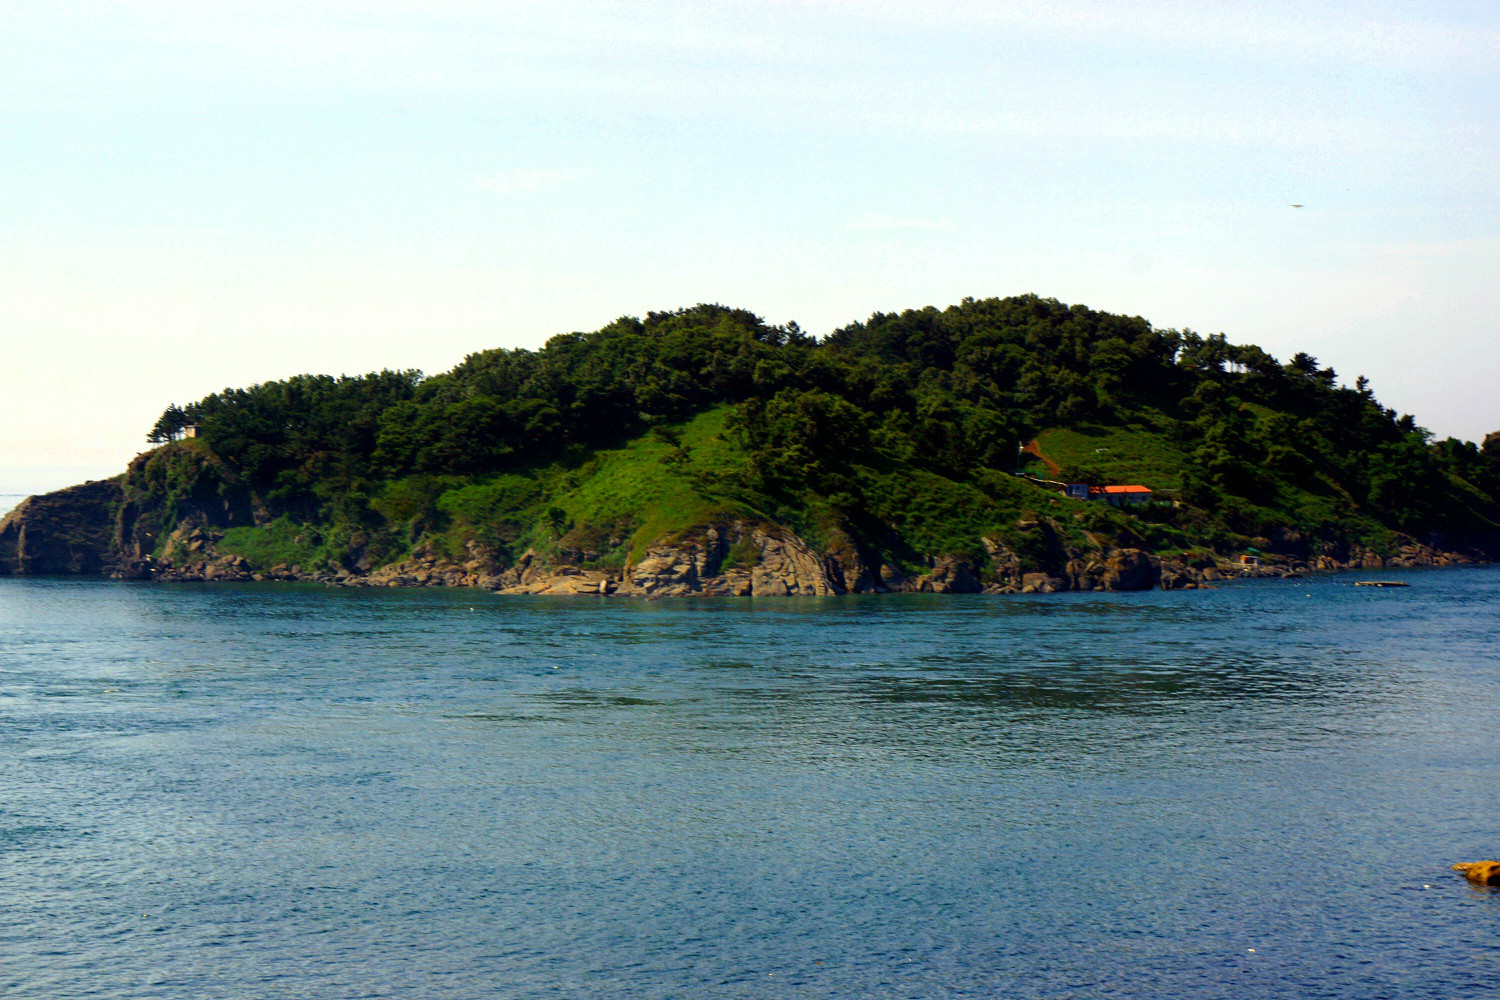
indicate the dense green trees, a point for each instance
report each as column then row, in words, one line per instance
column 952, row 391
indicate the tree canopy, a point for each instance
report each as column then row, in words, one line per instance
column 951, row 391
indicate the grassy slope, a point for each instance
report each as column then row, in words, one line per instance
column 651, row 489
column 1138, row 454
column 614, row 504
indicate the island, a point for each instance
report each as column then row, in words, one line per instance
column 997, row 445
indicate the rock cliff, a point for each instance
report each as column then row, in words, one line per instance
column 71, row 531
column 774, row 562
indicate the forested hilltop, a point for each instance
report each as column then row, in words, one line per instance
column 704, row 450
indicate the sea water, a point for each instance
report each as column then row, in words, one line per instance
column 285, row 791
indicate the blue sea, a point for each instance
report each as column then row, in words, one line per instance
column 286, row 791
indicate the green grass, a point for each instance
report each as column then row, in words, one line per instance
column 285, row 541
column 660, row 489
column 615, row 503
column 1140, row 454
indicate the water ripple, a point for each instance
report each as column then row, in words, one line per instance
column 226, row 791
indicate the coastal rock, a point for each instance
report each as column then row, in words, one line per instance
column 1131, row 569
column 1083, row 574
column 737, row 583
column 70, row 531
column 846, row 568
column 565, row 585
column 1480, row 872
column 951, row 576
column 783, row 564
column 787, row 565
column 1041, row 583
column 892, row 579
column 1177, row 578
column 1117, row 569
column 1005, row 564
column 667, row 570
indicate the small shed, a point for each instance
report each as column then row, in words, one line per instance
column 190, row 431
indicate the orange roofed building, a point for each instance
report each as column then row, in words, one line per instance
column 1118, row 495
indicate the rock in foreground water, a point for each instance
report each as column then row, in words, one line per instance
column 1480, row 872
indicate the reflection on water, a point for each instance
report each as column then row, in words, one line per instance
column 258, row 791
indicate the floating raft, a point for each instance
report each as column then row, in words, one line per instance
column 1380, row 583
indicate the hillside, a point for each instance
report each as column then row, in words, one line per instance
column 704, row 451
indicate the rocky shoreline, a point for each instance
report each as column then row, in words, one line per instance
column 784, row 565
column 91, row 530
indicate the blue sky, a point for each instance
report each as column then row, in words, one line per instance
column 198, row 195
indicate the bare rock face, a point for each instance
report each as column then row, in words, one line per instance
column 951, row 576
column 787, row 566
column 1042, row 583
column 1125, row 569
column 1131, row 569
column 587, row 582
column 847, row 569
column 1005, row 564
column 893, row 579
column 70, row 531
column 1178, row 578
column 730, row 583
column 1083, row 574
column 783, row 564
column 689, row 565
column 668, row 570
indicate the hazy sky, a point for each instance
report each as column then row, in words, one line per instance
column 199, row 195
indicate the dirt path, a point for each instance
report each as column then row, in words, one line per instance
column 1032, row 448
